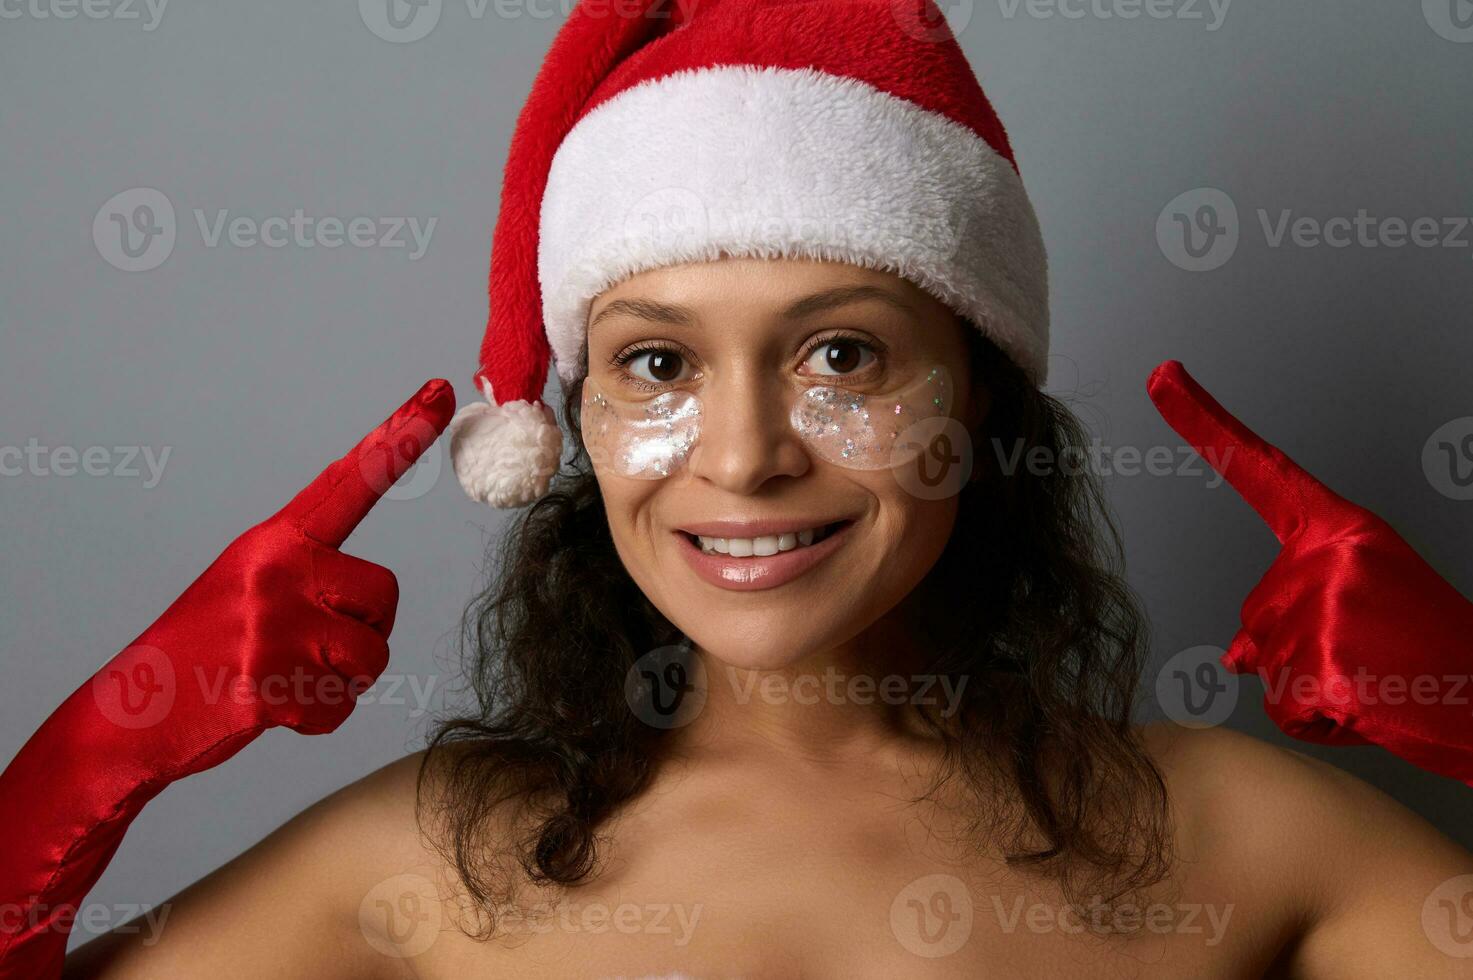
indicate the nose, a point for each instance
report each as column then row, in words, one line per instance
column 746, row 439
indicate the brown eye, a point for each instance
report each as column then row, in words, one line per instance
column 664, row 366
column 838, row 357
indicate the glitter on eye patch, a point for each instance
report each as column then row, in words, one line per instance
column 649, row 439
column 839, row 426
column 643, row 440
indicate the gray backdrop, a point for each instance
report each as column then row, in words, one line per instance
column 253, row 365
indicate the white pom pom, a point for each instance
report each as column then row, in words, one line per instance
column 505, row 455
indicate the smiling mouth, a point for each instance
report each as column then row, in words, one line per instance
column 765, row 545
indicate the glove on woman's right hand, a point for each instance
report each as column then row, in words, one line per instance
column 282, row 629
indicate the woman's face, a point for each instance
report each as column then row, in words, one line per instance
column 747, row 338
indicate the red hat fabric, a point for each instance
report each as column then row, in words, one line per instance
column 667, row 131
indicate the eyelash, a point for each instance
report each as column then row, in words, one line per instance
column 628, row 354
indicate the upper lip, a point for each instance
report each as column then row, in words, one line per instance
column 757, row 529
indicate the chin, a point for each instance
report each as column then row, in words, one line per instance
column 731, row 652
column 761, row 641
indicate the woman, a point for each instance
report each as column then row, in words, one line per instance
column 775, row 681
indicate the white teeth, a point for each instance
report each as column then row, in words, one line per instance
column 767, row 544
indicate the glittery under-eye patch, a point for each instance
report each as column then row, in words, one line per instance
column 860, row 431
column 645, row 440
column 652, row 438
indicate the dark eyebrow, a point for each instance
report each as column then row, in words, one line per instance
column 842, row 296
column 645, row 309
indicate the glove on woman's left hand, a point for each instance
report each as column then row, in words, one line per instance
column 1356, row 638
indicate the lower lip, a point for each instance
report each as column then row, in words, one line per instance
column 754, row 574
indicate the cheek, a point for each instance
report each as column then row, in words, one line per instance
column 630, row 506
column 914, row 533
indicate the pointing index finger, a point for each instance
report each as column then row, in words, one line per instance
column 1284, row 494
column 335, row 503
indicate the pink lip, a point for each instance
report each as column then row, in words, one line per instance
column 753, row 574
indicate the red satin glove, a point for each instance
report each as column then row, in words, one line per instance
column 1356, row 638
column 283, row 629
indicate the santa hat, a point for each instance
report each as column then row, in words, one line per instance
column 667, row 131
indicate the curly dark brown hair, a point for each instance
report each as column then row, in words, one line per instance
column 1027, row 601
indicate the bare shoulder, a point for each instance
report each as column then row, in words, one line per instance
column 322, row 885
column 379, row 809
column 372, row 852
column 1353, row 866
column 393, row 813
column 1217, row 775
column 1222, row 780
column 394, row 821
